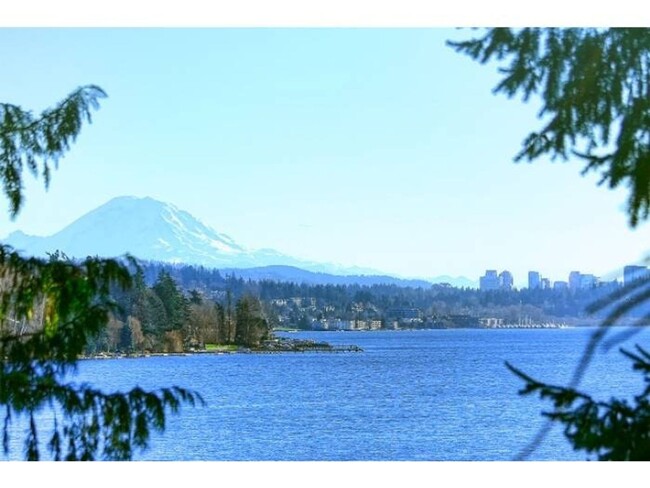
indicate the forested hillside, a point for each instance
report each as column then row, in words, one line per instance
column 176, row 308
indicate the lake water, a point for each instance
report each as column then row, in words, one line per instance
column 435, row 395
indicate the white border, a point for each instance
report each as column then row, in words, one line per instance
column 320, row 13
column 332, row 474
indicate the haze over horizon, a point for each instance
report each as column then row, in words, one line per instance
column 377, row 148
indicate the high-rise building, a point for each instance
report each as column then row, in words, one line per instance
column 490, row 281
column 632, row 273
column 609, row 285
column 588, row 281
column 534, row 280
column 575, row 279
column 505, row 280
column 545, row 283
column 560, row 285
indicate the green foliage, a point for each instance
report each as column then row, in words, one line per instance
column 595, row 92
column 175, row 304
column 37, row 142
column 614, row 430
column 594, row 86
column 48, row 311
column 51, row 310
column 195, row 297
column 251, row 324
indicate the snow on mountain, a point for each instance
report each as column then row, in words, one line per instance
column 153, row 230
column 143, row 227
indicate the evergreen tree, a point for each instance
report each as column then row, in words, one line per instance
column 595, row 92
column 594, row 85
column 251, row 325
column 195, row 297
column 147, row 308
column 220, row 325
column 175, row 304
column 229, row 323
column 62, row 305
column 126, row 338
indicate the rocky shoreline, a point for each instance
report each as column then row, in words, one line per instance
column 303, row 345
column 278, row 345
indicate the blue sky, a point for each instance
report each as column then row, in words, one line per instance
column 380, row 148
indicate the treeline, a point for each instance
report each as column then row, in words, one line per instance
column 176, row 308
column 344, row 301
column 165, row 317
column 299, row 305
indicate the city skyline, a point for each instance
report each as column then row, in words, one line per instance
column 575, row 280
column 493, row 280
column 378, row 148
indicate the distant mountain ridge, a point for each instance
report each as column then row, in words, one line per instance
column 297, row 275
column 157, row 231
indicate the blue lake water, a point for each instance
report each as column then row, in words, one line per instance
column 435, row 395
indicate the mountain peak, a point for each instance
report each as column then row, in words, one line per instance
column 153, row 230
column 144, row 227
column 139, row 203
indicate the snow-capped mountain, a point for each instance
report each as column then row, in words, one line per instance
column 157, row 231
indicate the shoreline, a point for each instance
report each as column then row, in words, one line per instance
column 273, row 346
